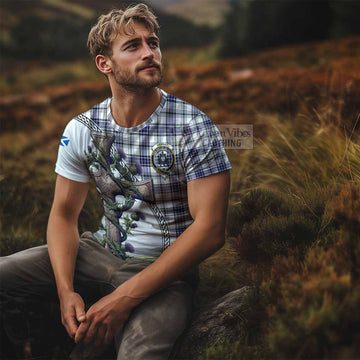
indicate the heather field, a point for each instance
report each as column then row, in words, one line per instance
column 294, row 215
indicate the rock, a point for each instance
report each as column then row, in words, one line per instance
column 227, row 319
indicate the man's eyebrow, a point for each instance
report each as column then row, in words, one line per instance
column 138, row 39
column 153, row 38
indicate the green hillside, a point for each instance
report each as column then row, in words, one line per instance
column 202, row 12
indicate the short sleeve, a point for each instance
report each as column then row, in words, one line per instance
column 202, row 150
column 72, row 152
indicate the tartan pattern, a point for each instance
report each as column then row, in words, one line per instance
column 185, row 132
column 92, row 126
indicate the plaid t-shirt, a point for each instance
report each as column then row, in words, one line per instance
column 141, row 173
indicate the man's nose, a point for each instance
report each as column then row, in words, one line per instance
column 147, row 52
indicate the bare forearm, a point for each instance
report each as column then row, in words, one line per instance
column 63, row 243
column 193, row 246
column 62, row 232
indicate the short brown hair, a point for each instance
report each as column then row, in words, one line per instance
column 108, row 26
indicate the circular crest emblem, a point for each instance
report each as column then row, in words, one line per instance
column 162, row 159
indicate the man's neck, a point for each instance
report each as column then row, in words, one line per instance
column 132, row 108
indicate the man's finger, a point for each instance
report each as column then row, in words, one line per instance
column 70, row 325
column 99, row 337
column 80, row 312
column 91, row 333
column 109, row 336
column 81, row 331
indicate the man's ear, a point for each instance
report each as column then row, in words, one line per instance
column 103, row 63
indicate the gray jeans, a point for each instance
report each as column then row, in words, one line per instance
column 152, row 328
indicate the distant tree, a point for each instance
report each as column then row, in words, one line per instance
column 179, row 32
column 59, row 39
column 277, row 22
column 346, row 17
column 233, row 31
column 256, row 24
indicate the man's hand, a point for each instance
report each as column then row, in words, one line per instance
column 104, row 319
column 72, row 312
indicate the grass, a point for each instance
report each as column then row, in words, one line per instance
column 311, row 286
column 31, row 76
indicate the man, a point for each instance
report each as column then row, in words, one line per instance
column 163, row 178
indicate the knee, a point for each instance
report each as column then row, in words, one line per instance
column 155, row 325
column 19, row 268
column 169, row 310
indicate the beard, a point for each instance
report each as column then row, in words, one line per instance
column 132, row 80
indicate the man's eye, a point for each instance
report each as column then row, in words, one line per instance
column 154, row 44
column 131, row 47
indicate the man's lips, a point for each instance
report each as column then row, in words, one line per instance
column 150, row 68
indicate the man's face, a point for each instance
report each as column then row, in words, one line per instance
column 136, row 59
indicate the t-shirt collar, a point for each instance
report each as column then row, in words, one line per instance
column 142, row 125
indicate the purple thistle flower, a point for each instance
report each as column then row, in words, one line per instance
column 129, row 248
column 138, row 168
column 89, row 149
column 121, row 153
column 134, row 225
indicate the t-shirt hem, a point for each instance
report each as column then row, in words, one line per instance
column 139, row 257
column 72, row 177
column 213, row 172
